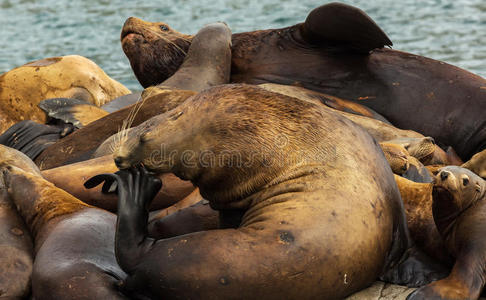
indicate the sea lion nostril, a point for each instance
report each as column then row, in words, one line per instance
column 118, row 161
column 444, row 175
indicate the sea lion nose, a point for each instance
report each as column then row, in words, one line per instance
column 444, row 175
column 118, row 161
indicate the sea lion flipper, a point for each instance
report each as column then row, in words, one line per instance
column 30, row 138
column 414, row 270
column 74, row 111
column 344, row 26
column 109, row 180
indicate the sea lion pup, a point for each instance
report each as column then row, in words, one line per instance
column 71, row 178
column 330, row 53
column 289, row 179
column 208, row 63
column 72, row 76
column 74, row 254
column 477, row 164
column 459, row 210
column 16, row 248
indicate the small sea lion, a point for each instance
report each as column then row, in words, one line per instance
column 285, row 200
column 397, row 157
column 72, row 76
column 459, row 211
column 207, row 64
column 338, row 51
column 16, row 247
column 74, row 254
column 477, row 164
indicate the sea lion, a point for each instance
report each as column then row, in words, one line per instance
column 477, row 164
column 459, row 211
column 285, row 201
column 330, row 53
column 74, row 254
column 72, row 76
column 71, row 178
column 397, row 157
column 16, row 247
column 207, row 64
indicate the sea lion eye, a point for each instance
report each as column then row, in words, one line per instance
column 164, row 28
column 465, row 181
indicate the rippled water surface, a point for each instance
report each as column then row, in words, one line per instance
column 452, row 31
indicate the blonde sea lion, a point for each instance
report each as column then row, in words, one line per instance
column 72, row 76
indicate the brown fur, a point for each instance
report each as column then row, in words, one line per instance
column 298, row 193
column 396, row 156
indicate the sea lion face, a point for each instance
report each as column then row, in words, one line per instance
column 462, row 184
column 155, row 50
column 12, row 157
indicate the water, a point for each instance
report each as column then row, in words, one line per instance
column 452, row 31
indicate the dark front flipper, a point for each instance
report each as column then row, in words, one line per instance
column 341, row 25
column 73, row 111
column 32, row 138
column 414, row 270
column 136, row 188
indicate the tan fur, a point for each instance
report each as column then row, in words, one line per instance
column 22, row 88
column 477, row 164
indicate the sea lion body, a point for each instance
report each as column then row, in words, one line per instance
column 293, row 207
column 71, row 178
column 330, row 53
column 456, row 203
column 74, row 255
column 72, row 76
column 16, row 246
column 477, row 164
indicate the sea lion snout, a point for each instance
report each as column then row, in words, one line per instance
column 444, row 175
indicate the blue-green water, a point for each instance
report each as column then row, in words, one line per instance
column 452, row 31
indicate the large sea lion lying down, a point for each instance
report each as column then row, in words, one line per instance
column 319, row 216
column 330, row 53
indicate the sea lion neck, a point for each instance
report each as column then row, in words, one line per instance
column 38, row 201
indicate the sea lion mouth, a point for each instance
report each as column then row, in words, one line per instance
column 127, row 30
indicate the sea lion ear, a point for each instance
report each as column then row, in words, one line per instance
column 344, row 26
column 70, row 110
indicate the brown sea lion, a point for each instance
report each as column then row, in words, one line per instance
column 207, row 64
column 16, row 247
column 330, row 53
column 459, row 211
column 74, row 254
column 293, row 204
column 397, row 157
column 71, row 178
column 477, row 164
column 72, row 76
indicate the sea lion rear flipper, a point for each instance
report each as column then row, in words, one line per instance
column 31, row 138
column 342, row 25
column 414, row 269
column 73, row 111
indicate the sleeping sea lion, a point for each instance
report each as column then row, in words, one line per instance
column 336, row 51
column 289, row 208
column 72, row 76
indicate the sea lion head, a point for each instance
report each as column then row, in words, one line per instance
column 420, row 148
column 155, row 50
column 461, row 184
column 397, row 157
